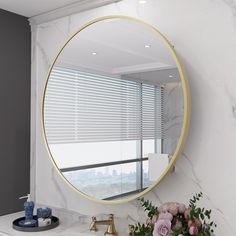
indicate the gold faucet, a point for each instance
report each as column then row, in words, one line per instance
column 111, row 231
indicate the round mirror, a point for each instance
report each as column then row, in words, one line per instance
column 115, row 109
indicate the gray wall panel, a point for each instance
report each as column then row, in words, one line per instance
column 15, row 44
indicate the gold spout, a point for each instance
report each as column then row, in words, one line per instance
column 111, row 231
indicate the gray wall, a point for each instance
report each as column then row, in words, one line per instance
column 15, row 46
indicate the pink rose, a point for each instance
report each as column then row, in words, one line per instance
column 190, row 222
column 173, row 208
column 177, row 225
column 198, row 223
column 154, row 219
column 193, row 230
column 165, row 216
column 182, row 208
column 162, row 228
column 187, row 213
column 164, row 207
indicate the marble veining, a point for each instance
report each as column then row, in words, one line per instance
column 232, row 5
column 195, row 179
column 234, row 110
column 69, row 25
column 45, row 57
column 159, row 200
column 232, row 100
column 58, row 188
column 172, row 116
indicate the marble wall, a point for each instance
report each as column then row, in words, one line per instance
column 173, row 110
column 204, row 34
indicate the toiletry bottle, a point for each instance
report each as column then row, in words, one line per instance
column 29, row 208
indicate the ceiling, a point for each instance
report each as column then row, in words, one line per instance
column 30, row 8
column 119, row 46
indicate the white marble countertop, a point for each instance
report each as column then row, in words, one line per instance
column 64, row 229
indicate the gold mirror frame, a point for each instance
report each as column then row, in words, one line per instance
column 186, row 116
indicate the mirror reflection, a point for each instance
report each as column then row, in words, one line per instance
column 113, row 109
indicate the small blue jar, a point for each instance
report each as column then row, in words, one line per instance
column 44, row 213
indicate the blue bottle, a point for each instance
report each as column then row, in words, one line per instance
column 29, row 209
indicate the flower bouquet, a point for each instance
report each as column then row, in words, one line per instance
column 175, row 219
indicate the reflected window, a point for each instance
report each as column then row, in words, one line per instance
column 101, row 129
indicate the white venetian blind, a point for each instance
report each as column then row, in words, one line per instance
column 88, row 107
